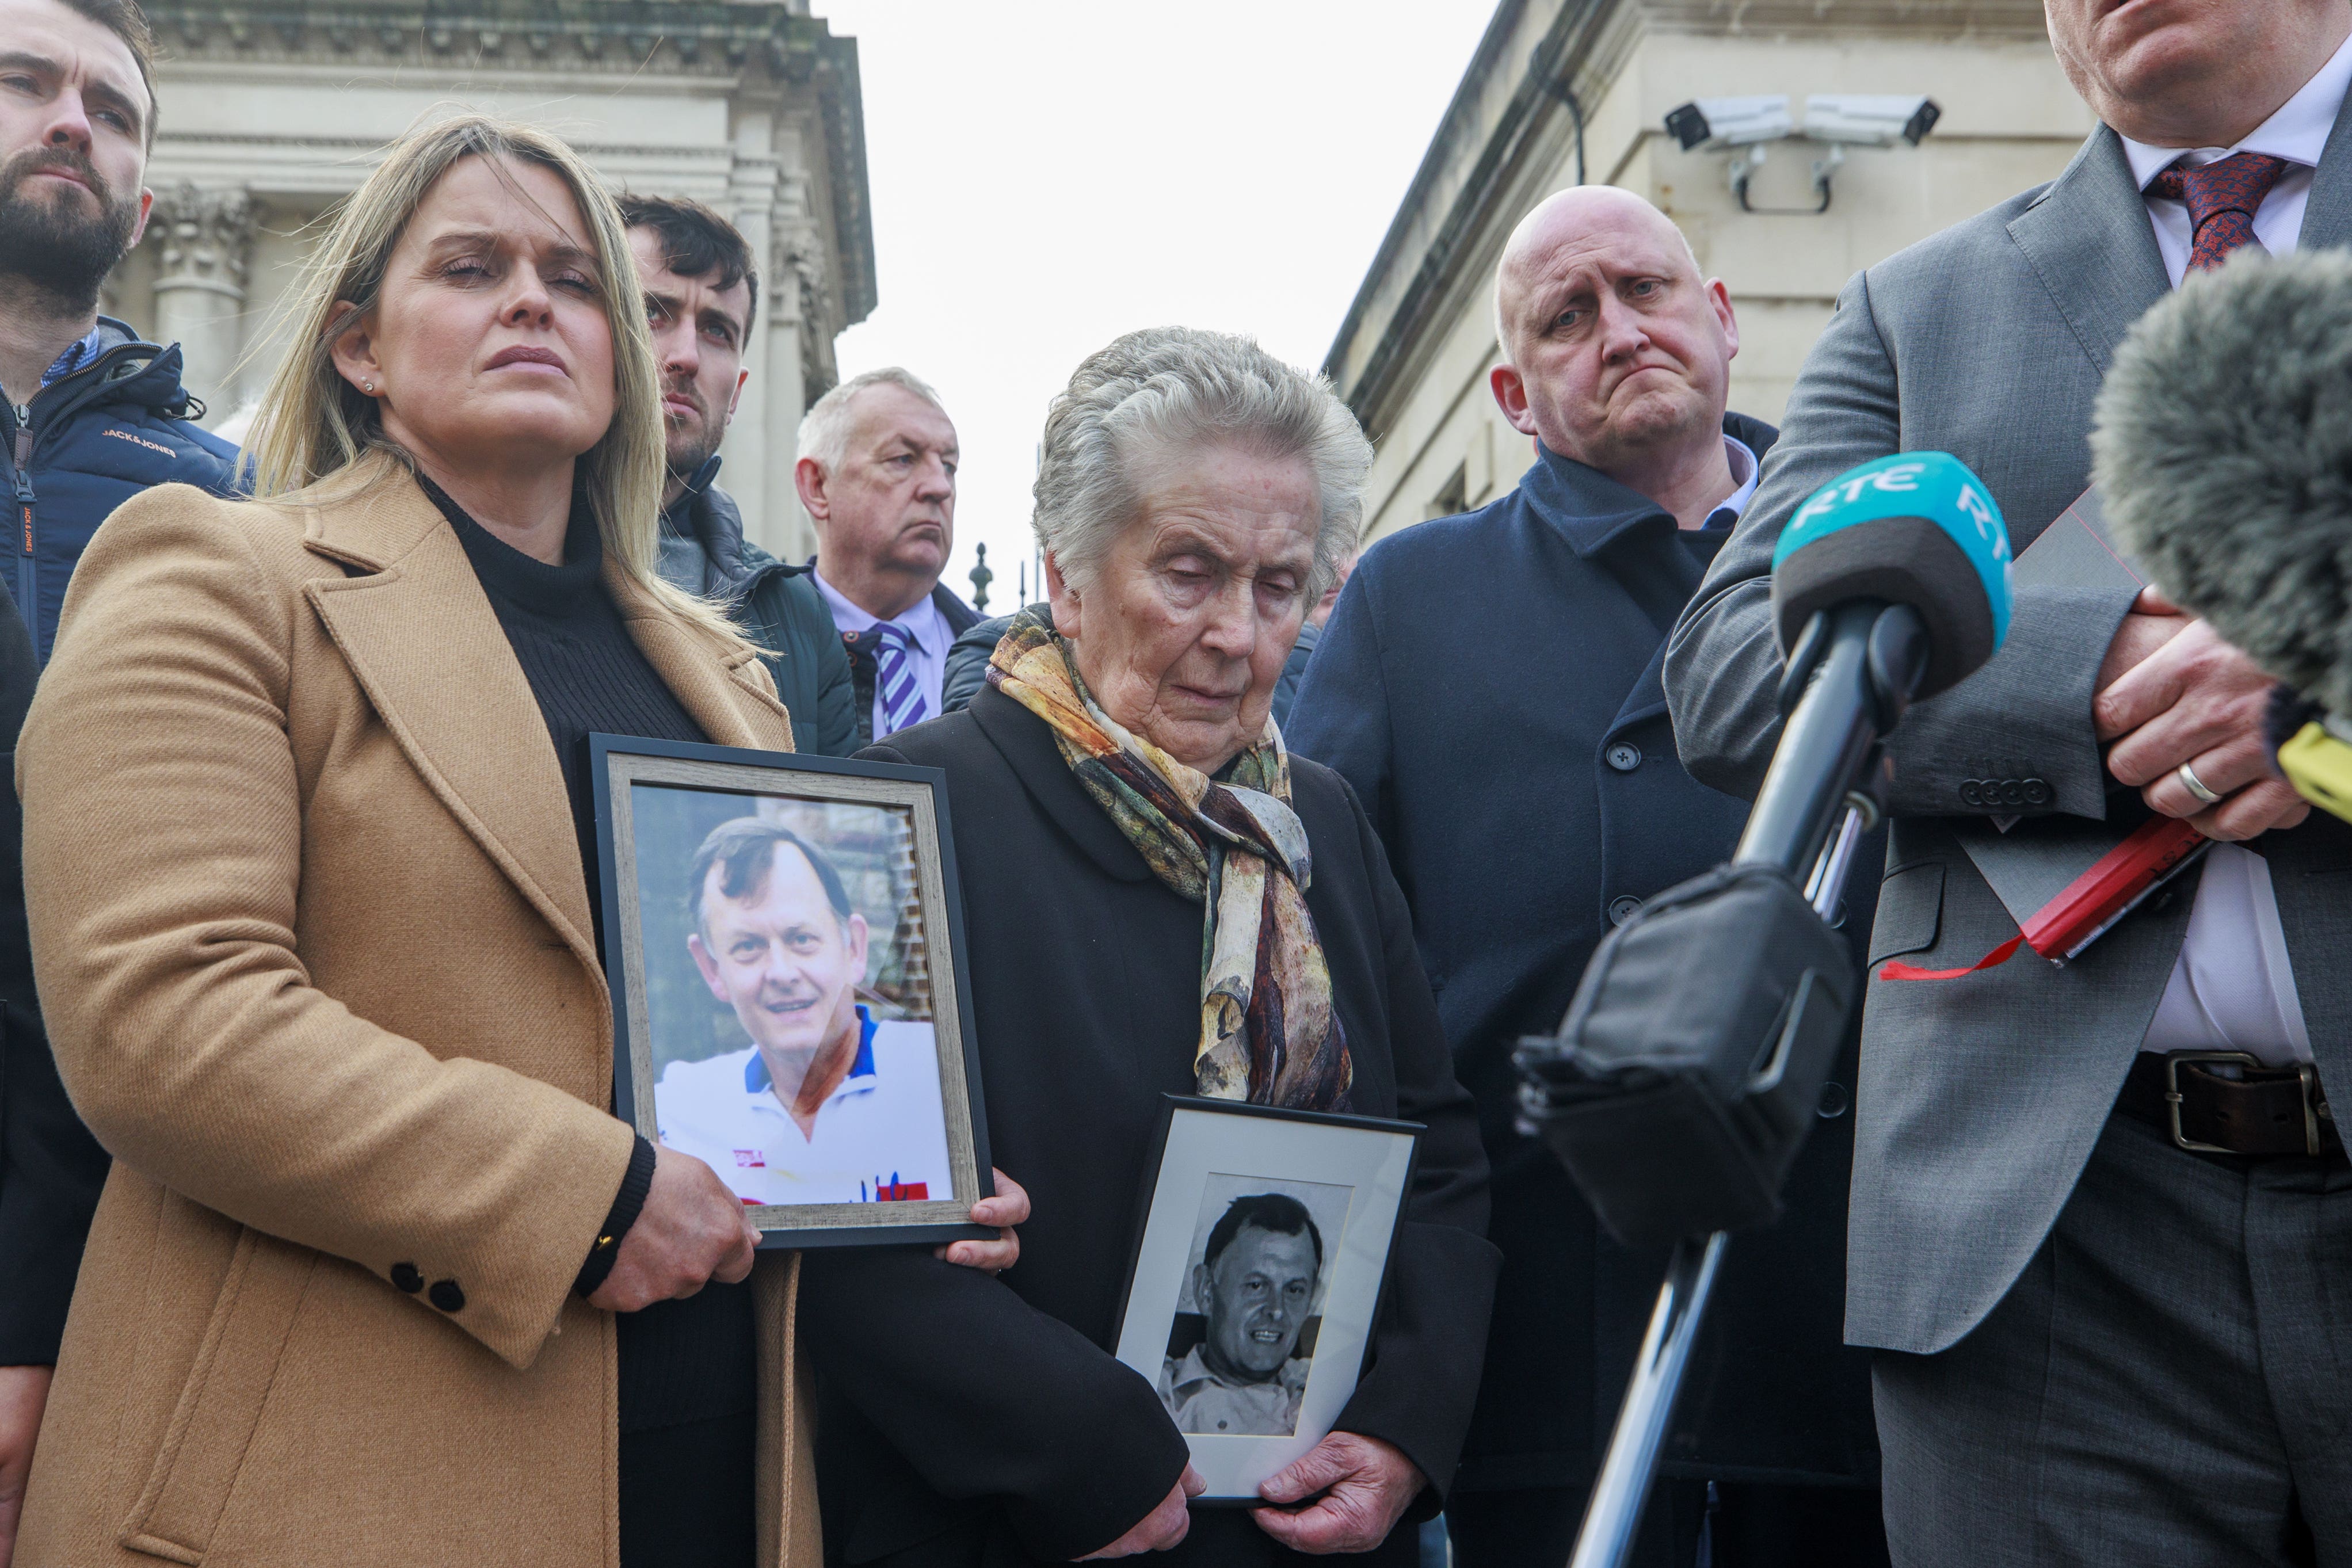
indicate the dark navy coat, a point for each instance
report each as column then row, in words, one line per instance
column 93, row 440
column 1490, row 686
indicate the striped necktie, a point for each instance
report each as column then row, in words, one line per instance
column 894, row 672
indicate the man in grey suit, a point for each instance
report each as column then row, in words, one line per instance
column 2095, row 1345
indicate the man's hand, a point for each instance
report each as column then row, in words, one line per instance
column 1365, row 1484
column 1164, row 1527
column 23, row 1395
column 1008, row 1208
column 690, row 1232
column 2189, row 696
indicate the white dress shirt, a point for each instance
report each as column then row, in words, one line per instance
column 924, row 625
column 2231, row 988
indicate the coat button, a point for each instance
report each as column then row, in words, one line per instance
column 1834, row 1100
column 405, row 1276
column 1623, row 909
column 445, row 1295
column 1624, row 756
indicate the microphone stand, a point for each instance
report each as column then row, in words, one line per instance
column 1856, row 665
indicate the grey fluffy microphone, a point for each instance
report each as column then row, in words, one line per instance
column 2224, row 454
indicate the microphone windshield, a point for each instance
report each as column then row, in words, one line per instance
column 1915, row 529
column 2223, row 453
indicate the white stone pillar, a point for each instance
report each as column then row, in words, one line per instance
column 787, row 393
column 752, row 195
column 206, row 234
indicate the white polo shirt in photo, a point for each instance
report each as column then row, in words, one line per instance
column 882, row 1135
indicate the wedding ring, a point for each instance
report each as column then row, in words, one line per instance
column 2195, row 786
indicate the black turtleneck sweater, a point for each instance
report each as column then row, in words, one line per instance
column 680, row 1360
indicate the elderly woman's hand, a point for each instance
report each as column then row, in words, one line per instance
column 1008, row 1208
column 690, row 1231
column 1365, row 1484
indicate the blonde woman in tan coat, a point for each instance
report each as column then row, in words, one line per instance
column 377, row 1279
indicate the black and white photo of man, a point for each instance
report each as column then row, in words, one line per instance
column 1257, row 1284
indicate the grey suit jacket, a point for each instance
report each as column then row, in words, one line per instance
column 1981, row 1098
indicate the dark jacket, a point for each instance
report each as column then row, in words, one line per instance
column 968, row 665
column 87, row 442
column 968, row 658
column 1490, row 684
column 50, row 1167
column 778, row 607
column 861, row 647
column 1294, row 670
column 967, row 1419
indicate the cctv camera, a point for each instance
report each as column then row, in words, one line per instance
column 1870, row 119
column 1730, row 122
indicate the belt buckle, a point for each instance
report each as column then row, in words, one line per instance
column 2306, row 1082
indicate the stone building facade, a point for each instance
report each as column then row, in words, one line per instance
column 1414, row 354
column 270, row 113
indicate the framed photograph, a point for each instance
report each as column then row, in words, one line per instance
column 784, row 943
column 1259, row 1264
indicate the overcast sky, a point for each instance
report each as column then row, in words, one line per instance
column 1049, row 173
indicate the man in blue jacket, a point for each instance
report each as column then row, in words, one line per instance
column 702, row 297
column 89, row 416
column 1489, row 685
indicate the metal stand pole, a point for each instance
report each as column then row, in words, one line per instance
column 1615, row 1515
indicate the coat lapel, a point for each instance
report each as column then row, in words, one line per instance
column 2327, row 213
column 2089, row 241
column 720, row 690
column 419, row 633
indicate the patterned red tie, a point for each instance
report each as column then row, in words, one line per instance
column 2222, row 198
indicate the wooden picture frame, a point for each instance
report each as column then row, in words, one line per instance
column 839, row 940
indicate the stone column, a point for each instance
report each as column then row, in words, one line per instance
column 789, row 394
column 752, row 195
column 207, row 236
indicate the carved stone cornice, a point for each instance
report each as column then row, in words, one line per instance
column 759, row 45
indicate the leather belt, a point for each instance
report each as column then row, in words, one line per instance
column 2259, row 1110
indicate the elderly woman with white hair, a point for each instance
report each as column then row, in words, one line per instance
column 1194, row 496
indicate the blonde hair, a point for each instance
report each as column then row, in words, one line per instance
column 316, row 433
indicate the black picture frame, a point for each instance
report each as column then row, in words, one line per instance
column 1233, row 1464
column 619, row 765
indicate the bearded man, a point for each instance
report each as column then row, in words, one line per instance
column 89, row 416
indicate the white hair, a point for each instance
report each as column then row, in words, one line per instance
column 1152, row 394
column 825, row 429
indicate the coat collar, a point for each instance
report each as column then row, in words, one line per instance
column 1025, row 743
column 411, row 620
column 1591, row 511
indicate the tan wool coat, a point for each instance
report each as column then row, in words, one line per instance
column 313, row 944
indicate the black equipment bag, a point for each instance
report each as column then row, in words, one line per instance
column 1690, row 1065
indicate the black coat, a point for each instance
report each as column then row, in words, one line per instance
column 969, row 1420
column 50, row 1167
column 1490, row 684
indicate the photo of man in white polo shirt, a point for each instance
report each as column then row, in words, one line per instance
column 828, row 1104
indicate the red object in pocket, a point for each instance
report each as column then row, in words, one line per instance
column 2111, row 888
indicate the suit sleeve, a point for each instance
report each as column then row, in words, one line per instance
column 1431, row 1342
column 1340, row 715
column 164, row 860
column 2030, row 708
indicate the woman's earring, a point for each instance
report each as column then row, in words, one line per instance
column 368, row 387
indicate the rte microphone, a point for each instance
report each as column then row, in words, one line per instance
column 1684, row 1080
column 2223, row 454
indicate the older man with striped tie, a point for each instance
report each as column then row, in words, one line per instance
column 877, row 475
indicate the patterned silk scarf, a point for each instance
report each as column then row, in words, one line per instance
column 1268, row 1033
